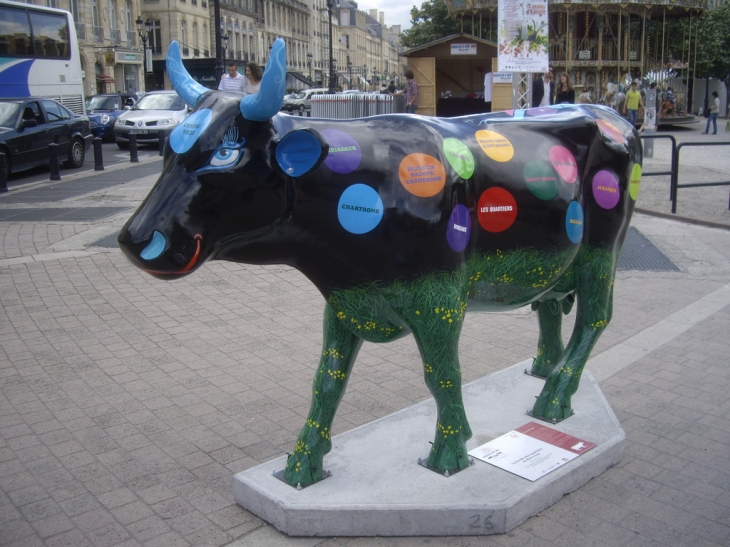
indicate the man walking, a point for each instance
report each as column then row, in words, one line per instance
column 234, row 80
column 632, row 104
column 542, row 90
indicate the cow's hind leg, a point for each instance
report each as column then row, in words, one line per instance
column 550, row 346
column 594, row 274
column 437, row 334
column 339, row 350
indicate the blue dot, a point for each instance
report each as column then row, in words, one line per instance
column 574, row 222
column 360, row 209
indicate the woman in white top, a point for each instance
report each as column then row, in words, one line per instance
column 253, row 74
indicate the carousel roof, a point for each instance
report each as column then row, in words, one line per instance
column 474, row 7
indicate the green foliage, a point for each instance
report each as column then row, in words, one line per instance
column 432, row 22
column 713, row 53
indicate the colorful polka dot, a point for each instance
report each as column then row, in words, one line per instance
column 344, row 154
column 574, row 222
column 422, row 175
column 611, row 131
column 496, row 210
column 458, row 231
column 494, row 145
column 459, row 157
column 635, row 181
column 605, row 189
column 564, row 163
column 360, row 209
column 541, row 179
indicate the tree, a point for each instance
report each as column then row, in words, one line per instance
column 430, row 23
column 713, row 52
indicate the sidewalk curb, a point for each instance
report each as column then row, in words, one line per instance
column 671, row 216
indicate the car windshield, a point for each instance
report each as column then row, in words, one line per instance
column 104, row 103
column 8, row 114
column 299, row 95
column 160, row 101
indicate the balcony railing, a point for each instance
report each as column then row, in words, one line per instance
column 115, row 35
column 196, row 53
column 131, row 38
column 156, row 50
column 186, row 51
column 80, row 31
column 206, row 53
column 204, row 4
column 99, row 35
column 194, row 2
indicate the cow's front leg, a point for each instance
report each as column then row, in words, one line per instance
column 437, row 334
column 594, row 274
column 550, row 346
column 339, row 350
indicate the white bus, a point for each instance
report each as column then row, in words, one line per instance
column 39, row 55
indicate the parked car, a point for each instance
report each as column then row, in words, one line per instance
column 156, row 111
column 303, row 100
column 29, row 125
column 103, row 111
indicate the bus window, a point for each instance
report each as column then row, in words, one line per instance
column 50, row 32
column 14, row 31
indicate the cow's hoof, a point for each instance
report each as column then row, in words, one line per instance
column 542, row 367
column 303, row 469
column 551, row 406
column 449, row 452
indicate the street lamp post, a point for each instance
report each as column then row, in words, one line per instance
column 309, row 65
column 349, row 69
column 144, row 36
column 224, row 48
column 217, row 24
column 364, row 77
column 333, row 78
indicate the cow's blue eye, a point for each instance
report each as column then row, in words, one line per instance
column 224, row 156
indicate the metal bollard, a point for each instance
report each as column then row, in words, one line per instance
column 53, row 156
column 162, row 139
column 133, row 158
column 98, row 156
column 3, row 173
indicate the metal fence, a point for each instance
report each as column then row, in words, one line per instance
column 356, row 105
column 674, row 169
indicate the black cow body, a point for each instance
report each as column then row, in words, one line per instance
column 403, row 223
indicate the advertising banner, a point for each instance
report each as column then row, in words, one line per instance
column 523, row 36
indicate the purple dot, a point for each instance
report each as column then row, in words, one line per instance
column 459, row 230
column 605, row 189
column 344, row 154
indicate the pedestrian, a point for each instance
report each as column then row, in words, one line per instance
column 633, row 103
column 391, row 88
column 714, row 111
column 566, row 93
column 234, row 80
column 253, row 75
column 667, row 103
column 411, row 93
column 542, row 89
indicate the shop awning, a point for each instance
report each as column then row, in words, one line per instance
column 106, row 79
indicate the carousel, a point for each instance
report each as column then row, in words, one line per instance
column 605, row 46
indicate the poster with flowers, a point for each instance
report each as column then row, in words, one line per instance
column 523, row 36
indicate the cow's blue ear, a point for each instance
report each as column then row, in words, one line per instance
column 300, row 151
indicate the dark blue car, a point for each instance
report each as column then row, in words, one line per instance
column 103, row 111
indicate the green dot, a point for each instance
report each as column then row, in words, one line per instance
column 541, row 179
column 459, row 157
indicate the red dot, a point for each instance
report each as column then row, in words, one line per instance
column 497, row 210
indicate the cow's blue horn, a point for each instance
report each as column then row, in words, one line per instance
column 182, row 82
column 263, row 105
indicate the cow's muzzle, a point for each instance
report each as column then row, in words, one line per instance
column 155, row 255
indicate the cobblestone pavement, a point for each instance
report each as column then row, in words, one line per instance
column 127, row 403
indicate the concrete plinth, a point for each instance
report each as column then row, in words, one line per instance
column 377, row 487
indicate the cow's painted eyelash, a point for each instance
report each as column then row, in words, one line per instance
column 231, row 136
column 225, row 155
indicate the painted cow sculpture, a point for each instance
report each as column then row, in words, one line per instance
column 403, row 223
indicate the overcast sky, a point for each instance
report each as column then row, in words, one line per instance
column 397, row 12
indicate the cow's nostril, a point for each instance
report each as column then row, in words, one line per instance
column 155, row 247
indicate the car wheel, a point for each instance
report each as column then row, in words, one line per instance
column 8, row 170
column 123, row 145
column 76, row 154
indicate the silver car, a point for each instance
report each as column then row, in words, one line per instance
column 156, row 111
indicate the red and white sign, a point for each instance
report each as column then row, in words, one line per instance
column 532, row 451
column 463, row 49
